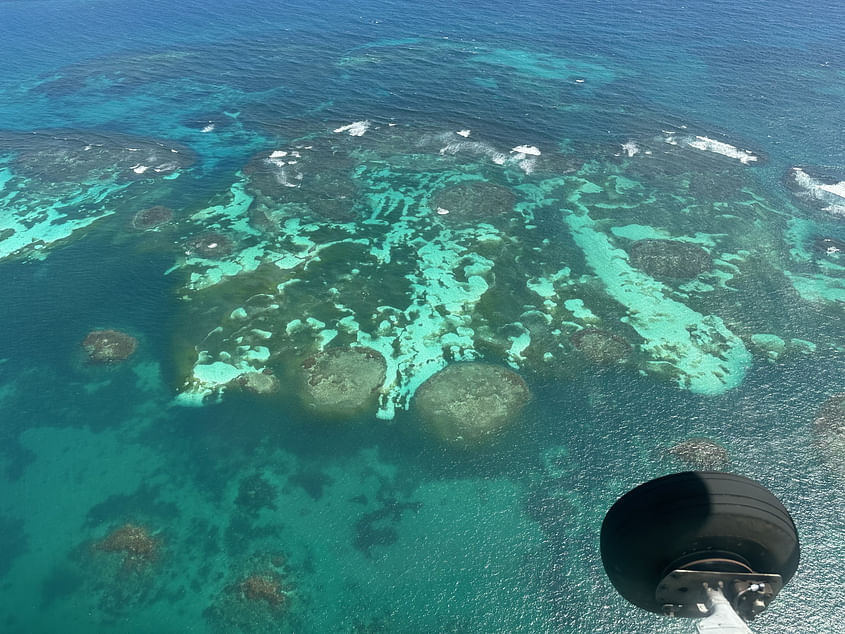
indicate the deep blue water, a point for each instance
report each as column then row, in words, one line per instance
column 382, row 527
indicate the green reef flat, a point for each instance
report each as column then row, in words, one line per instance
column 56, row 183
column 432, row 247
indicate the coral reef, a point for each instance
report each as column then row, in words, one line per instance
column 137, row 546
column 315, row 178
column 109, row 346
column 122, row 571
column 152, row 217
column 460, row 252
column 266, row 587
column 342, row 382
column 669, row 258
column 601, row 347
column 474, row 201
column 259, row 382
column 701, row 454
column 209, row 245
column 74, row 156
column 470, row 403
column 259, row 599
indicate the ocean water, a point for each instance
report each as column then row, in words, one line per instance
column 635, row 212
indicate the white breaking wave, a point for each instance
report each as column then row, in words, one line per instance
column 527, row 165
column 475, row 147
column 706, row 144
column 463, row 133
column 725, row 149
column 837, row 190
column 280, row 158
column 355, row 129
column 208, row 128
column 630, row 148
column 832, row 194
column 525, row 157
column 283, row 179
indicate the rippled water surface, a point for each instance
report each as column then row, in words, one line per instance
column 358, row 319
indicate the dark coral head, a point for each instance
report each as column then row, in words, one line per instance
column 109, row 346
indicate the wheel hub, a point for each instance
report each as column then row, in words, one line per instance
column 683, row 593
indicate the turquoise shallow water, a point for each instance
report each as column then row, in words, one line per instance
column 637, row 211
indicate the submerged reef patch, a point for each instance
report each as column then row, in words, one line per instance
column 259, row 382
column 109, row 346
column 466, row 404
column 342, row 382
column 670, row 258
column 259, row 597
column 312, row 177
column 474, row 201
column 601, row 347
column 701, row 454
column 123, row 571
column 133, row 544
column 209, row 245
column 152, row 217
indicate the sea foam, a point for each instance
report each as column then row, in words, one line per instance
column 831, row 194
column 707, row 144
column 475, row 147
column 357, row 128
column 630, row 148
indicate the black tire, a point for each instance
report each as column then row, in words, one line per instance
column 663, row 524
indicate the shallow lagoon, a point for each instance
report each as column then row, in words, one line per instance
column 654, row 270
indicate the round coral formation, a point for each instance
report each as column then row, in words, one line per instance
column 259, row 382
column 316, row 179
column 670, row 258
column 474, row 201
column 260, row 598
column 209, row 245
column 471, row 403
column 343, row 382
column 152, row 217
column 134, row 543
column 601, row 347
column 109, row 346
column 266, row 588
column 700, row 454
